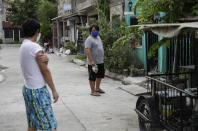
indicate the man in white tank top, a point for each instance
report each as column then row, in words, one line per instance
column 36, row 75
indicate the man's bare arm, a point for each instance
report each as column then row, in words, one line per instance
column 46, row 74
column 88, row 52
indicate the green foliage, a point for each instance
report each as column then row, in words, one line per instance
column 154, row 48
column 46, row 33
column 117, row 39
column 174, row 9
column 43, row 10
column 72, row 47
column 1, row 41
column 104, row 7
column 195, row 9
column 131, row 37
column 46, row 11
column 84, row 30
column 20, row 10
column 81, row 57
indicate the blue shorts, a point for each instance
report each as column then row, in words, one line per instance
column 38, row 109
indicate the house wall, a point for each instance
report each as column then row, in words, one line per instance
column 141, row 51
column 116, row 8
column 64, row 11
column 71, row 18
column 84, row 4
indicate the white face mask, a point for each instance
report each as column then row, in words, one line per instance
column 38, row 37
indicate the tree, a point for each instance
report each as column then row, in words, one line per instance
column 174, row 9
column 20, row 10
column 46, row 11
column 104, row 6
column 43, row 10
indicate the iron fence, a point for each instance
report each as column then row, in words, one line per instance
column 176, row 99
column 185, row 47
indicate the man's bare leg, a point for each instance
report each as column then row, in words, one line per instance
column 92, row 86
column 98, row 89
column 31, row 129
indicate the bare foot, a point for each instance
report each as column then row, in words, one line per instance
column 100, row 90
column 95, row 94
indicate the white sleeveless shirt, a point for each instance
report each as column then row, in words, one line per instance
column 31, row 72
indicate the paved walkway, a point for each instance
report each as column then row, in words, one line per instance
column 76, row 110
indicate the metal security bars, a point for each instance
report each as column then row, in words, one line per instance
column 151, row 38
column 175, row 100
column 185, row 48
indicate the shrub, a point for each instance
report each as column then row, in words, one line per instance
column 81, row 57
column 72, row 47
column 118, row 40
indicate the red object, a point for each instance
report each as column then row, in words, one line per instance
column 7, row 24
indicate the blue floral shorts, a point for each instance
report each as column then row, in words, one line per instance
column 38, row 109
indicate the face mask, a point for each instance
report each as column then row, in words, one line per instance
column 38, row 37
column 95, row 33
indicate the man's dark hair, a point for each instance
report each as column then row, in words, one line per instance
column 94, row 26
column 30, row 27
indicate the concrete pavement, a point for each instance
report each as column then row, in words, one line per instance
column 76, row 110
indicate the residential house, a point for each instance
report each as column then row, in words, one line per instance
column 117, row 8
column 8, row 32
column 163, row 60
column 71, row 15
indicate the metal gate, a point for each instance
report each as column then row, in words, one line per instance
column 184, row 46
column 152, row 63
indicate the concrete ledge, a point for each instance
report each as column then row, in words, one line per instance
column 114, row 75
column 134, row 89
column 79, row 62
column 10, row 45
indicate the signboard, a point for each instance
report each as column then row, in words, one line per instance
column 67, row 7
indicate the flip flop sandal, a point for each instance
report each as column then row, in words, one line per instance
column 100, row 91
column 95, row 94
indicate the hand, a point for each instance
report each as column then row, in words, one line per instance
column 44, row 59
column 55, row 96
column 92, row 63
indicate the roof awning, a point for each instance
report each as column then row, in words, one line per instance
column 168, row 30
column 79, row 13
column 73, row 15
column 56, row 18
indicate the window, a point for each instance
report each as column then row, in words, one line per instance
column 7, row 18
column 8, row 33
column 133, row 20
column 21, row 33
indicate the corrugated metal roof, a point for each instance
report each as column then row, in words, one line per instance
column 168, row 30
